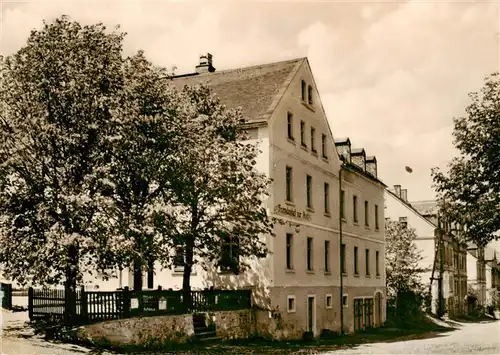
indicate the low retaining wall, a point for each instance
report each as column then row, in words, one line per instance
column 234, row 324
column 140, row 331
column 272, row 325
column 240, row 324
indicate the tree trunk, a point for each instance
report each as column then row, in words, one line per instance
column 137, row 275
column 186, row 277
column 70, row 285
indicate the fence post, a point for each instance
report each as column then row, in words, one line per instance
column 83, row 304
column 126, row 302
column 10, row 296
column 30, row 302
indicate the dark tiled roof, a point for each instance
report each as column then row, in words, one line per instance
column 343, row 140
column 257, row 89
column 356, row 151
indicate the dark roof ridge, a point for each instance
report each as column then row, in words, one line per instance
column 225, row 71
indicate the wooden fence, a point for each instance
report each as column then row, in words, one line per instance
column 94, row 306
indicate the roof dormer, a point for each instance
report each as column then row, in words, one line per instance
column 358, row 158
column 371, row 165
column 343, row 146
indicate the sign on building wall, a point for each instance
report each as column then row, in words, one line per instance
column 288, row 211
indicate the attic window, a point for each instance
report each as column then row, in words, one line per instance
column 290, row 125
column 304, row 90
column 310, row 94
column 323, row 146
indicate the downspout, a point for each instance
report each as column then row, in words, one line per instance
column 342, row 257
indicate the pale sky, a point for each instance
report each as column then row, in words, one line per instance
column 391, row 75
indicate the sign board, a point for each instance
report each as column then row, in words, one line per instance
column 291, row 212
column 162, row 303
column 134, row 303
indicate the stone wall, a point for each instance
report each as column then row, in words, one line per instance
column 234, row 324
column 140, row 331
column 273, row 325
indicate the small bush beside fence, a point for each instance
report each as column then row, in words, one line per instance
column 95, row 306
column 6, row 295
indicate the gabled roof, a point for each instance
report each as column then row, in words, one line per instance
column 256, row 89
column 410, row 207
column 371, row 158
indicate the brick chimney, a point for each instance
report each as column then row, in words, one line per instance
column 397, row 190
column 205, row 65
column 404, row 195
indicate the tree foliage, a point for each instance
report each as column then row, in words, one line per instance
column 470, row 189
column 104, row 164
column 215, row 191
column 143, row 146
column 55, row 94
column 402, row 260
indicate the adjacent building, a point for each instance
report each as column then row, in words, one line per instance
column 446, row 266
column 483, row 275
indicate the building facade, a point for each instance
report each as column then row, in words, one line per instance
column 451, row 258
column 299, row 283
column 446, row 266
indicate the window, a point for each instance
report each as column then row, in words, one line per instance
column 342, row 259
column 366, row 214
column 179, row 258
column 290, row 125
column 377, row 266
column 327, row 197
column 310, row 94
column 376, row 216
column 329, row 303
column 342, row 199
column 303, row 133
column 367, row 262
column 323, row 146
column 355, row 208
column 289, row 250
column 356, row 270
column 313, row 144
column 327, row 256
column 229, row 259
column 304, row 90
column 308, row 191
column 345, row 301
column 309, row 254
column 288, row 183
column 290, row 304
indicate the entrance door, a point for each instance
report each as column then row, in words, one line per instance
column 311, row 313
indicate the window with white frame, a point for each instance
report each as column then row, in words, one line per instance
column 329, row 301
column 345, row 301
